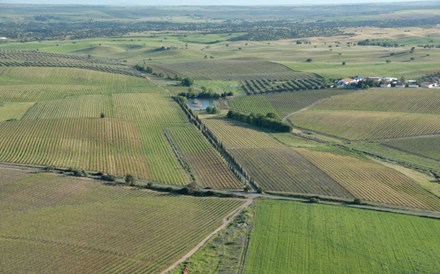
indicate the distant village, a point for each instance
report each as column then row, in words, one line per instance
column 383, row 82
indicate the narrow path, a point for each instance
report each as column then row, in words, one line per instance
column 226, row 221
column 306, row 108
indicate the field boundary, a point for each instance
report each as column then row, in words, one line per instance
column 226, row 221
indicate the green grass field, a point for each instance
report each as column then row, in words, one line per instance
column 50, row 223
column 13, row 111
column 310, row 238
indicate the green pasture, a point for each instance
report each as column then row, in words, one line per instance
column 310, row 238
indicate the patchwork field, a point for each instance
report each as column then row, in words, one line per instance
column 375, row 114
column 210, row 169
column 311, row 238
column 427, row 147
column 366, row 125
column 50, row 223
column 115, row 124
column 273, row 166
column 233, row 70
column 31, row 84
column 276, row 167
column 406, row 100
column 282, row 103
column 372, row 182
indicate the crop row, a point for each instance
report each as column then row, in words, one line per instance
column 209, row 167
column 367, row 125
column 372, row 182
column 271, row 165
column 281, row 103
column 103, row 68
column 108, row 229
column 44, row 56
column 270, row 86
column 233, row 70
column 387, row 100
column 35, row 84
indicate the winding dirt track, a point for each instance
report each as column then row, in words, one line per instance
column 226, row 221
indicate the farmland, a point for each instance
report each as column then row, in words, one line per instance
column 375, row 114
column 65, row 116
column 261, row 156
column 266, row 86
column 50, row 222
column 310, row 238
column 233, row 70
column 282, row 103
column 425, row 147
column 109, row 165
column 373, row 182
column 210, row 169
column 366, row 125
column 390, row 100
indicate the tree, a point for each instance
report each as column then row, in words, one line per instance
column 187, row 82
column 272, row 115
column 129, row 180
column 343, row 63
column 102, row 115
column 309, row 60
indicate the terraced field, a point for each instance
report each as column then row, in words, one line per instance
column 273, row 166
column 375, row 114
column 50, row 223
column 290, row 237
column 282, row 103
column 372, row 182
column 233, row 70
column 427, row 146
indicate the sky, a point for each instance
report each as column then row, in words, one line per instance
column 197, row 2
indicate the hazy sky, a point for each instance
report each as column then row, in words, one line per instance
column 196, row 2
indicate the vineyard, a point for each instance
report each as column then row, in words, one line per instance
column 367, row 125
column 271, row 86
column 373, row 182
column 426, row 147
column 17, row 58
column 100, row 122
column 233, row 70
column 282, row 103
column 390, row 100
column 291, row 237
column 50, row 223
column 273, row 166
column 210, row 169
column 31, row 84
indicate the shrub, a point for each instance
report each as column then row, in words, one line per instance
column 108, row 177
column 129, row 180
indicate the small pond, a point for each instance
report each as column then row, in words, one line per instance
column 200, row 104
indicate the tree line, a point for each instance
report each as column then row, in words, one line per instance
column 269, row 121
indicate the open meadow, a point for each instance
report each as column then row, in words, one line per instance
column 52, row 223
column 313, row 238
